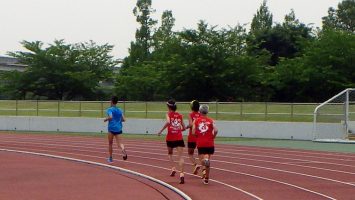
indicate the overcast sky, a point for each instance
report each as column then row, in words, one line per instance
column 112, row 21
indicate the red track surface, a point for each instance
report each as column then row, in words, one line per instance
column 37, row 177
column 238, row 172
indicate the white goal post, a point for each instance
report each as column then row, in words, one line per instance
column 335, row 118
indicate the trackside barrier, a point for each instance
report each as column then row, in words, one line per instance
column 247, row 129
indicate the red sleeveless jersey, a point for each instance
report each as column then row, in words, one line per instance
column 174, row 127
column 193, row 116
column 204, row 132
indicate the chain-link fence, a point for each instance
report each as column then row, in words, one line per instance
column 240, row 111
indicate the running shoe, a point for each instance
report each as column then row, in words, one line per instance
column 196, row 169
column 173, row 172
column 205, row 181
column 182, row 179
column 125, row 156
column 109, row 160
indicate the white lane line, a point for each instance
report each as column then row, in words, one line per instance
column 217, row 155
column 170, row 187
column 240, row 149
column 224, row 152
column 294, row 155
column 225, row 146
column 281, row 182
column 290, row 172
column 137, row 163
column 226, row 170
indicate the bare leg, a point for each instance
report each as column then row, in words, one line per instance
column 110, row 150
column 181, row 164
column 180, row 159
column 170, row 155
column 206, row 163
column 121, row 146
column 119, row 142
column 110, row 142
column 191, row 156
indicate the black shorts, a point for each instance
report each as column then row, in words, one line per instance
column 116, row 133
column 205, row 150
column 174, row 144
column 191, row 145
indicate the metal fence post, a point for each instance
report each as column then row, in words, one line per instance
column 58, row 108
column 102, row 109
column 265, row 111
column 241, row 110
column 124, row 108
column 216, row 110
column 79, row 108
column 16, row 107
column 37, row 107
column 146, row 109
column 291, row 111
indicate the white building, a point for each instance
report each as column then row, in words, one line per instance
column 11, row 64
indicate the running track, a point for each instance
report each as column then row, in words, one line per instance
column 238, row 172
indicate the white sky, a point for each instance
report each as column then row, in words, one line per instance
column 112, row 21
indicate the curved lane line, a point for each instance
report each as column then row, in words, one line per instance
column 91, row 146
column 170, row 187
column 226, row 170
column 137, row 163
column 262, row 177
column 254, row 166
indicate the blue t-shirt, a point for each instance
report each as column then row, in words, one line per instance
column 115, row 124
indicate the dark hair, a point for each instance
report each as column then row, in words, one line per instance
column 195, row 105
column 114, row 99
column 171, row 104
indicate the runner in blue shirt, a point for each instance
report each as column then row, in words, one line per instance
column 115, row 118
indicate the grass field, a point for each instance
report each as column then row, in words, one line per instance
column 156, row 110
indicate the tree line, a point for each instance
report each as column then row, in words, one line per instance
column 287, row 61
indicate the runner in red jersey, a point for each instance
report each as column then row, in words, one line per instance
column 174, row 139
column 191, row 139
column 205, row 131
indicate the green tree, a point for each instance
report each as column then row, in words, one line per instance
column 164, row 34
column 141, row 48
column 342, row 18
column 283, row 40
column 326, row 67
column 63, row 71
column 262, row 20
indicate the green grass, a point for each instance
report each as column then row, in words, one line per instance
column 156, row 110
column 293, row 144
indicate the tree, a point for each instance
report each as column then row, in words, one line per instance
column 164, row 33
column 63, row 71
column 262, row 20
column 325, row 67
column 342, row 18
column 139, row 82
column 283, row 40
column 141, row 48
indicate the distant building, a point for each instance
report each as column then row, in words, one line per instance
column 11, row 64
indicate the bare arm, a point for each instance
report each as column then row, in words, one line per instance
column 183, row 125
column 190, row 122
column 193, row 132
column 109, row 118
column 165, row 125
column 215, row 130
